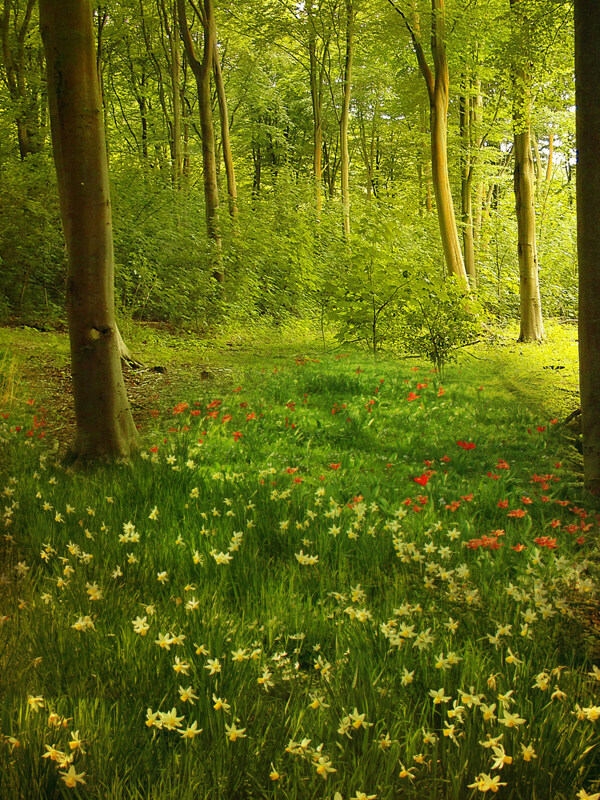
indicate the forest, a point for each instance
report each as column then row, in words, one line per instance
column 300, row 399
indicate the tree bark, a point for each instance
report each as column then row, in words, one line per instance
column 587, row 87
column 225, row 138
column 437, row 83
column 29, row 134
column 316, row 93
column 202, row 70
column 347, row 89
column 466, row 181
column 105, row 426
column 532, row 325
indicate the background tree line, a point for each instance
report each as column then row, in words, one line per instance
column 330, row 159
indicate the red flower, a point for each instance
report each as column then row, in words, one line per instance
column 213, row 414
column 466, row 445
column 445, row 458
column 467, row 497
column 226, row 417
column 526, row 500
column 546, row 541
column 541, row 428
column 422, row 499
column 441, row 391
column 499, row 532
column 555, row 523
column 335, row 466
column 422, row 479
column 421, row 385
column 553, row 421
column 453, row 505
column 237, row 435
column 250, row 416
column 291, row 406
column 518, row 547
column 297, row 480
column 239, row 389
column 412, row 396
column 291, row 470
column 214, row 404
column 180, row 407
column 502, row 503
column 493, row 476
column 30, row 402
column 154, row 449
column 502, row 464
column 517, row 512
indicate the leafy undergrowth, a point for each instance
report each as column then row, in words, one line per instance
column 335, row 578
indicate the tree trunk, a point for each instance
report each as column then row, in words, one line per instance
column 587, row 69
column 347, row 87
column 466, row 181
column 105, row 426
column 316, row 93
column 13, row 38
column 202, row 70
column 172, row 30
column 532, row 325
column 437, row 88
column 225, row 139
column 550, row 164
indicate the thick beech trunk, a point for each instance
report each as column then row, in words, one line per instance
column 105, row 427
column 587, row 69
column 225, row 138
column 347, row 87
column 202, row 71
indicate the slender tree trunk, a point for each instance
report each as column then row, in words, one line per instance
column 202, row 70
column 550, row 164
column 347, row 88
column 175, row 74
column 437, row 83
column 439, row 145
column 225, row 138
column 587, row 69
column 532, row 325
column 105, row 427
column 13, row 37
column 316, row 93
column 466, row 170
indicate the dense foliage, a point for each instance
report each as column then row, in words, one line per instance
column 282, row 256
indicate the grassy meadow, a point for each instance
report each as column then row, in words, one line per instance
column 325, row 576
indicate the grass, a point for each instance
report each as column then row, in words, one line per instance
column 304, row 554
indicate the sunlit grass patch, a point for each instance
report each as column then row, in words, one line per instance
column 335, row 576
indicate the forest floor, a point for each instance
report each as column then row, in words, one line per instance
column 378, row 581
column 174, row 362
